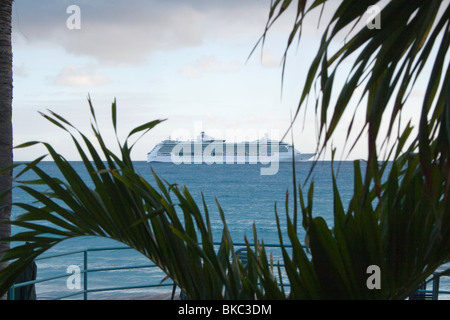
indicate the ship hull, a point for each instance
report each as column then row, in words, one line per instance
column 229, row 159
column 211, row 151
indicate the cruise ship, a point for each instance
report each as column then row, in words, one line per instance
column 208, row 150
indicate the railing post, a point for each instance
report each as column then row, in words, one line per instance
column 85, row 278
column 436, row 278
column 11, row 292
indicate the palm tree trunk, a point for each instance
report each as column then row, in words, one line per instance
column 6, row 89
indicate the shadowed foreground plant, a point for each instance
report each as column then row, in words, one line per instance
column 401, row 225
column 399, row 228
column 122, row 206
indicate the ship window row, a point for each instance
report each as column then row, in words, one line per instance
column 267, row 149
column 182, row 154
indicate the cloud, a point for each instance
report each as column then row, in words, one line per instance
column 75, row 77
column 269, row 60
column 128, row 31
column 209, row 64
column 20, row 70
column 189, row 71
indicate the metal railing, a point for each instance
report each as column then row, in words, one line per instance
column 434, row 292
column 85, row 271
column 422, row 293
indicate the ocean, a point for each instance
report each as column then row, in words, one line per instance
column 246, row 196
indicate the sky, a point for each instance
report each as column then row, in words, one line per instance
column 186, row 61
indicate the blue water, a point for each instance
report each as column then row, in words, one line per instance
column 246, row 196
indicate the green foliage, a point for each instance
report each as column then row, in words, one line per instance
column 398, row 218
column 386, row 64
column 401, row 228
column 402, row 224
column 124, row 207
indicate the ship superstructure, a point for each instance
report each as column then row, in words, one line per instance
column 208, row 150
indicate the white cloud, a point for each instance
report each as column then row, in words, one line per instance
column 128, row 31
column 209, row 64
column 76, row 77
column 269, row 60
column 189, row 71
column 20, row 70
